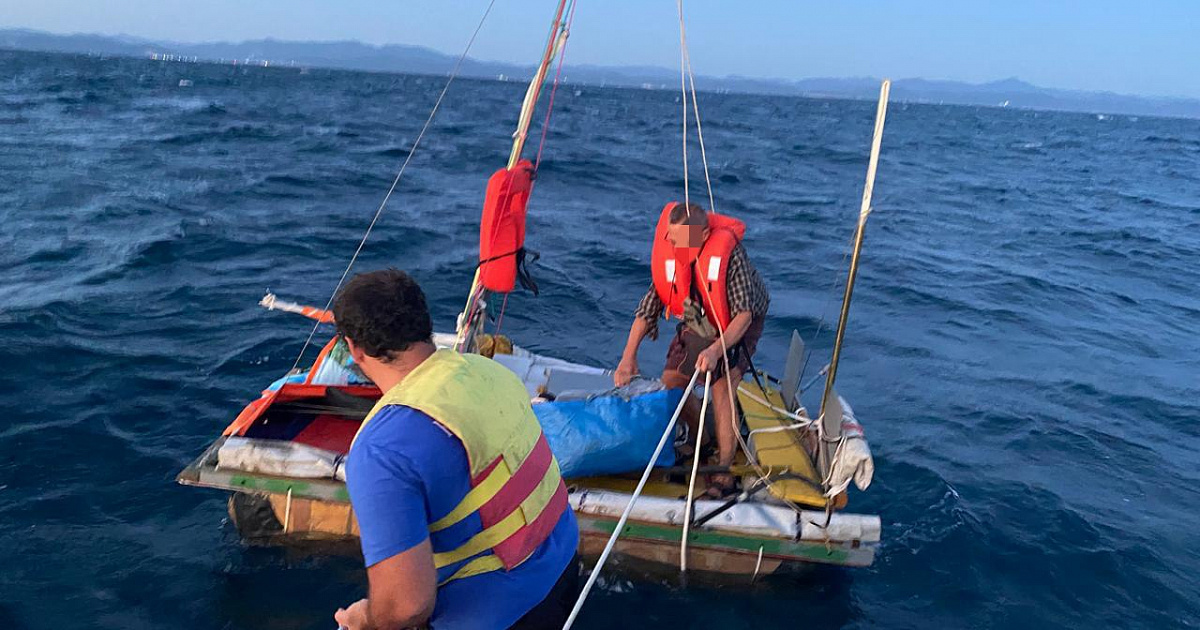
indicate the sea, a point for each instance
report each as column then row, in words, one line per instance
column 1022, row 347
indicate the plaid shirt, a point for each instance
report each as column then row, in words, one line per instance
column 744, row 287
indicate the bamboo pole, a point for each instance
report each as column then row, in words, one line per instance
column 688, row 507
column 832, row 427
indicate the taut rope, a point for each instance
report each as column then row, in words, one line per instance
column 396, row 181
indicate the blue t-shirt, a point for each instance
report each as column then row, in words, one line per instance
column 405, row 472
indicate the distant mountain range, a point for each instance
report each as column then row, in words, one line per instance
column 416, row 59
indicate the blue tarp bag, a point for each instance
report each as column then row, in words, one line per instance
column 610, row 434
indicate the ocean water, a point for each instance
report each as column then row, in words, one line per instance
column 1022, row 347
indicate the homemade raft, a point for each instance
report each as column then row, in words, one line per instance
column 282, row 457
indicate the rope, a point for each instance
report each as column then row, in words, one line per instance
column 500, row 319
column 837, row 452
column 684, row 101
column 783, row 412
column 395, row 182
column 688, row 508
column 802, row 422
column 562, row 56
column 612, row 540
column 733, row 417
column 535, row 86
column 712, row 204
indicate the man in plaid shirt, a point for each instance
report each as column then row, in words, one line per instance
column 697, row 343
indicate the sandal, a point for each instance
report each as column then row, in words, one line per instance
column 721, row 486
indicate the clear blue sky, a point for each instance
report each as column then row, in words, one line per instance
column 1148, row 48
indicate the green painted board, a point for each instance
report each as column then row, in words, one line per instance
column 839, row 554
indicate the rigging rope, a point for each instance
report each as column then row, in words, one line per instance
column 712, row 204
column 562, row 56
column 535, row 86
column 803, row 423
column 683, row 101
column 685, row 66
column 612, row 539
column 395, row 182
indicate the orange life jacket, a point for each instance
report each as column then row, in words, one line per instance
column 674, row 268
column 516, row 487
column 502, row 230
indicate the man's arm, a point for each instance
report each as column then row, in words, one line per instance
column 402, row 590
column 388, row 496
column 628, row 367
column 645, row 323
column 710, row 358
column 736, row 329
column 747, row 295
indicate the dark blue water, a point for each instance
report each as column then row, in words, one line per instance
column 1023, row 345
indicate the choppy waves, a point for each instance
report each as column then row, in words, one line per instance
column 1022, row 347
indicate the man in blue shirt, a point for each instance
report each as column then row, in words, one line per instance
column 409, row 475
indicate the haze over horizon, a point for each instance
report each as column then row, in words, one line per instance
column 1097, row 46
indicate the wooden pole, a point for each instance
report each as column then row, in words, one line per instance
column 535, row 85
column 687, row 509
column 832, row 427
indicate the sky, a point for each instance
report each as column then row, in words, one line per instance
column 1144, row 48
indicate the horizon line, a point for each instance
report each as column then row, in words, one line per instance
column 1081, row 91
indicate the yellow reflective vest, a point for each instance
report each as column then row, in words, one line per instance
column 516, row 487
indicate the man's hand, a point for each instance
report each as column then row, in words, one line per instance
column 354, row 617
column 710, row 358
column 626, row 370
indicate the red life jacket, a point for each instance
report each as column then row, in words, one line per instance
column 673, row 269
column 502, row 230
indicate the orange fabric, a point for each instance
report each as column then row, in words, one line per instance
column 674, row 269
column 319, row 314
column 502, row 229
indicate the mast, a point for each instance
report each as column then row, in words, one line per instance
column 554, row 42
column 831, row 423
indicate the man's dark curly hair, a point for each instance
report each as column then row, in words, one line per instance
column 383, row 312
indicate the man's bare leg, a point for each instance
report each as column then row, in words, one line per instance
column 725, row 417
column 674, row 379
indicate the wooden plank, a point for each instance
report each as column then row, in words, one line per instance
column 843, row 554
column 654, row 487
column 313, row 516
column 209, row 476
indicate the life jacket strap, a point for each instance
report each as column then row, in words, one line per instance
column 482, row 541
column 478, row 566
column 474, row 499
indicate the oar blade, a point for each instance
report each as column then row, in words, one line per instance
column 791, row 371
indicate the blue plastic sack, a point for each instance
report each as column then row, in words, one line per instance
column 608, row 434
